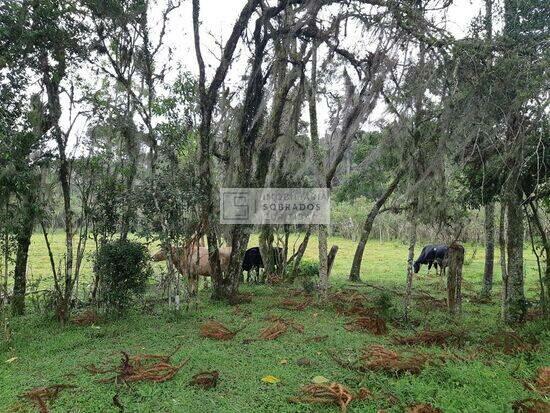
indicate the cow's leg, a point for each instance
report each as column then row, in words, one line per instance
column 429, row 266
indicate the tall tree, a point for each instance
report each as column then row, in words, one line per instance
column 46, row 37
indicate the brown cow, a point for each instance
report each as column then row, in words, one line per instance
column 193, row 262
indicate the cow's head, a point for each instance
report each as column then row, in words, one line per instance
column 416, row 267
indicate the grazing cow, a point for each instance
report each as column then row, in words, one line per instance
column 192, row 262
column 253, row 260
column 432, row 255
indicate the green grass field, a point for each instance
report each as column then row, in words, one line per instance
column 479, row 378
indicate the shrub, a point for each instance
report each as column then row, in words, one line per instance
column 123, row 269
column 308, row 269
column 383, row 303
column 306, row 272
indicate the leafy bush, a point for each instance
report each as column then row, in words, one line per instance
column 383, row 302
column 306, row 272
column 123, row 269
column 308, row 269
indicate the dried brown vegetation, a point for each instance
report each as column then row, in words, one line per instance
column 217, row 331
column 348, row 298
column 531, row 406
column 333, row 393
column 373, row 324
column 510, row 342
column 542, row 384
column 379, row 358
column 429, row 338
column 279, row 326
column 423, row 408
column 295, row 305
column 431, row 303
column 41, row 395
column 86, row 318
column 241, row 298
column 206, row 379
column 141, row 367
column 273, row 331
column 316, row 339
column 355, row 310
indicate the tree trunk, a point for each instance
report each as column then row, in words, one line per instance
column 502, row 248
column 130, row 175
column 297, row 259
column 489, row 250
column 5, row 260
column 545, row 282
column 208, row 97
column 239, row 242
column 454, row 278
column 515, row 305
column 323, row 262
column 63, row 308
column 410, row 269
column 20, row 272
column 23, row 243
column 266, row 250
column 322, row 179
column 330, row 259
column 355, row 273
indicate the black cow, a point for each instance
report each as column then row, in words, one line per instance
column 253, row 260
column 432, row 255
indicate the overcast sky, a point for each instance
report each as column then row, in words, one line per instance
column 218, row 16
column 217, row 19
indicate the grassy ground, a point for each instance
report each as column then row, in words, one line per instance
column 488, row 382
